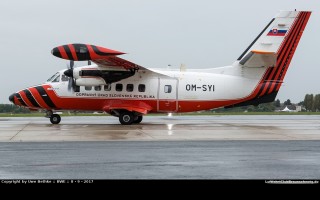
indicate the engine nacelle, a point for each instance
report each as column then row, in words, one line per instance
column 92, row 81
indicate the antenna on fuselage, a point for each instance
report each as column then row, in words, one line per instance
column 183, row 68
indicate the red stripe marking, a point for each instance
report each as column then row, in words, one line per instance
column 290, row 48
column 16, row 101
column 289, row 44
column 54, row 98
column 38, row 98
column 25, row 99
column 63, row 53
column 73, row 52
column 264, row 81
column 280, row 53
column 91, row 52
column 295, row 46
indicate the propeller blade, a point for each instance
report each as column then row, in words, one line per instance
column 71, row 64
column 73, row 85
column 70, row 84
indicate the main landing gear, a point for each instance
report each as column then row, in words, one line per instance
column 128, row 118
column 125, row 117
column 54, row 118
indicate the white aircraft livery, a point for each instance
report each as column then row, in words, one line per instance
column 129, row 91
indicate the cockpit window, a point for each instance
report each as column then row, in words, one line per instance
column 53, row 77
column 57, row 79
column 64, row 78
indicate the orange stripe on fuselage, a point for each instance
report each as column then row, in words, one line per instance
column 25, row 99
column 38, row 98
column 16, row 101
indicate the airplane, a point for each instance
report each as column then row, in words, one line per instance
column 129, row 91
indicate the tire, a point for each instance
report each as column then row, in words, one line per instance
column 55, row 119
column 138, row 119
column 126, row 118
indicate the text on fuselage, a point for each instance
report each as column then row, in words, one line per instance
column 204, row 88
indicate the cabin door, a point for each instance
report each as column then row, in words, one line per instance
column 168, row 95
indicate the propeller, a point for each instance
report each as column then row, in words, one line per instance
column 69, row 73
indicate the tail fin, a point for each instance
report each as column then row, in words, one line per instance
column 282, row 32
column 274, row 48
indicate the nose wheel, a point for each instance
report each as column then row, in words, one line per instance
column 55, row 119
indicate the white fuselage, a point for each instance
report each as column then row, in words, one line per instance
column 172, row 87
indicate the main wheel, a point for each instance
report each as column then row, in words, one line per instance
column 126, row 118
column 55, row 119
column 137, row 119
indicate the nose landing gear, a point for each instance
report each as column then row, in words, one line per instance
column 54, row 118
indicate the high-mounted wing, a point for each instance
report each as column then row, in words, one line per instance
column 103, row 57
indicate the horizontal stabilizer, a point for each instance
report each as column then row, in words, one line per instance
column 257, row 58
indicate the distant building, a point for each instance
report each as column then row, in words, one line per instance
column 298, row 108
column 286, row 109
column 289, row 108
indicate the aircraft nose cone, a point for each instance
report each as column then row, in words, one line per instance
column 11, row 97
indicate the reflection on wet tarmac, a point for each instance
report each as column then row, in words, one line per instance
column 104, row 128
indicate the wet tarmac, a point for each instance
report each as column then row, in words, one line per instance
column 161, row 160
column 105, row 128
column 178, row 147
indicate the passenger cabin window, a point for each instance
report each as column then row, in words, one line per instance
column 107, row 87
column 119, row 87
column 129, row 87
column 97, row 88
column 57, row 79
column 64, row 78
column 88, row 88
column 142, row 88
column 167, row 89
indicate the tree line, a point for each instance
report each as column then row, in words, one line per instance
column 312, row 102
column 10, row 108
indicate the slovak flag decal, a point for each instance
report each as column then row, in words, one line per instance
column 277, row 32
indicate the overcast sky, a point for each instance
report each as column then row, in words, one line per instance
column 154, row 33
